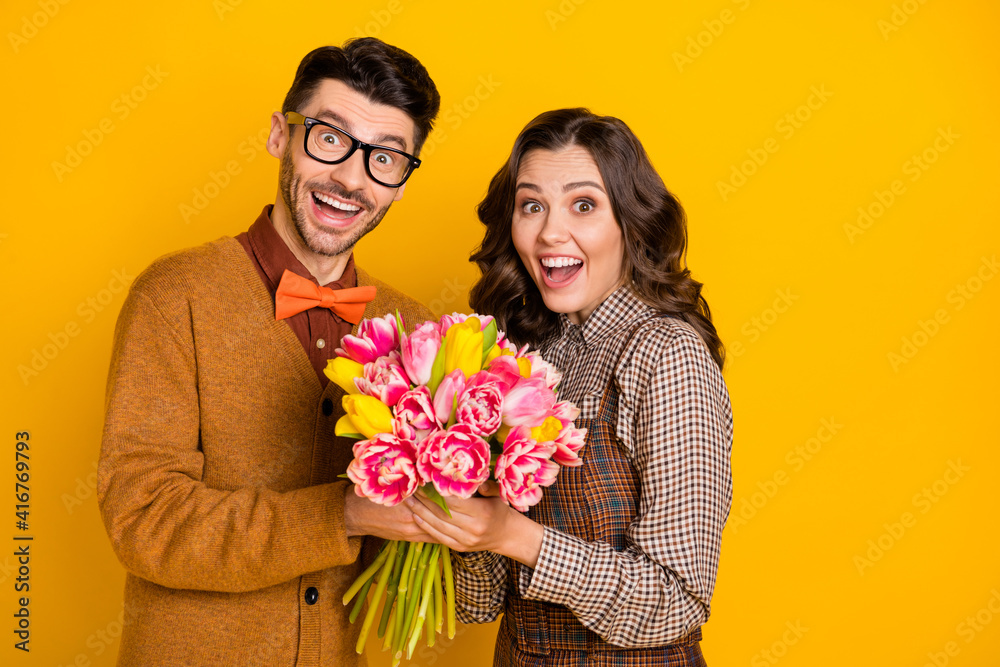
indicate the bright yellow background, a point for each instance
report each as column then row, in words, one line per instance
column 826, row 356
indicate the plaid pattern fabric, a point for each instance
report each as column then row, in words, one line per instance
column 632, row 537
column 681, row 654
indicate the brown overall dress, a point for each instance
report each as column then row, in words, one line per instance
column 596, row 502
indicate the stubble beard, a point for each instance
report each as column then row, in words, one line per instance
column 319, row 240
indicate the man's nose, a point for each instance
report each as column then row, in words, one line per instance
column 351, row 172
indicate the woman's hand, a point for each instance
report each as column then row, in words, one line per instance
column 480, row 524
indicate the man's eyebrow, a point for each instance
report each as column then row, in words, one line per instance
column 582, row 184
column 340, row 121
column 528, row 186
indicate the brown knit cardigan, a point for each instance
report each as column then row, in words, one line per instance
column 218, row 472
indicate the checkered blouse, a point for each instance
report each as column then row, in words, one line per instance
column 675, row 422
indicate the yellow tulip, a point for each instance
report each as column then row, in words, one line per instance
column 549, row 430
column 524, row 365
column 463, row 347
column 494, row 352
column 342, row 372
column 367, row 414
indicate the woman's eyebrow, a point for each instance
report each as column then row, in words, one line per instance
column 582, row 184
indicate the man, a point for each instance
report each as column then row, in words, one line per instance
column 218, row 479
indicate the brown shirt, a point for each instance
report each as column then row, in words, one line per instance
column 318, row 329
column 218, row 478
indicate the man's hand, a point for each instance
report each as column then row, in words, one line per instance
column 363, row 517
column 480, row 524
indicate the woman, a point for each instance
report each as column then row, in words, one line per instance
column 584, row 257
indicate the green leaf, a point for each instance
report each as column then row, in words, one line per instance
column 356, row 436
column 399, row 325
column 489, row 339
column 437, row 370
column 438, row 499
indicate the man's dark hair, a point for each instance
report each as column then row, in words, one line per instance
column 383, row 73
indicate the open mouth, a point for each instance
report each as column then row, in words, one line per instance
column 334, row 208
column 561, row 269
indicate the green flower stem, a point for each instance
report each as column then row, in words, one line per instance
column 360, row 601
column 383, row 579
column 449, row 585
column 438, row 601
column 425, row 598
column 367, row 574
column 405, row 595
column 390, row 595
column 414, row 599
column 391, row 631
column 431, row 619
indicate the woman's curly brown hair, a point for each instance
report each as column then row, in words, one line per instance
column 652, row 221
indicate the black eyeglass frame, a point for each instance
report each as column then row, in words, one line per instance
column 295, row 118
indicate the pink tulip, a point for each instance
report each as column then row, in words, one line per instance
column 565, row 412
column 504, row 343
column 479, row 405
column 384, row 379
column 419, row 350
column 456, row 461
column 543, row 369
column 506, row 370
column 528, row 403
column 415, row 410
column 376, row 337
column 524, row 468
column 384, row 469
column 568, row 446
column 450, row 388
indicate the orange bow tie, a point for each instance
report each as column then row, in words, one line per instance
column 296, row 294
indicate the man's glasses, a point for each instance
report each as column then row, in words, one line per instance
column 331, row 145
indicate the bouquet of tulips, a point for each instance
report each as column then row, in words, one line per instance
column 441, row 410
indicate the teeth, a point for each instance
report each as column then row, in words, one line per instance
column 555, row 262
column 334, row 203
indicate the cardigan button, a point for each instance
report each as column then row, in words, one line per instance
column 327, row 407
column 312, row 595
